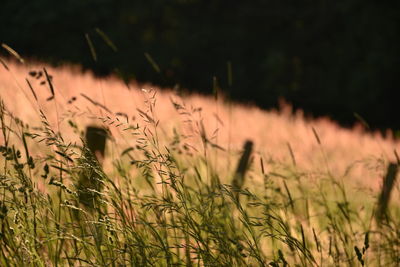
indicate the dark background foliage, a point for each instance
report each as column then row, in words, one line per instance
column 331, row 58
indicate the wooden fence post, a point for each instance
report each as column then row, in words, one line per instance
column 243, row 165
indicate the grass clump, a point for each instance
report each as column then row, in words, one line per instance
column 164, row 204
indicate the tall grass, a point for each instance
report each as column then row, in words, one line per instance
column 165, row 202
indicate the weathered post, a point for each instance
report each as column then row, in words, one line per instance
column 96, row 141
column 243, row 165
column 90, row 180
column 388, row 184
column 90, row 172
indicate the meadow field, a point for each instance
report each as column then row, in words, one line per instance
column 186, row 180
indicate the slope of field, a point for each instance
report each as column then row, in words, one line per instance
column 279, row 136
column 171, row 191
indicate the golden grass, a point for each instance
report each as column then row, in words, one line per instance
column 78, row 96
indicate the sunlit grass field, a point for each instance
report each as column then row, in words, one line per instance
column 185, row 180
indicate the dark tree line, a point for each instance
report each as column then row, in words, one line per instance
column 331, row 58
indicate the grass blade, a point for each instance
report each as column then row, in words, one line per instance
column 13, row 53
column 106, row 39
column 152, row 62
column 91, row 47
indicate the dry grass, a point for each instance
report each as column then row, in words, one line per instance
column 274, row 133
column 176, row 187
